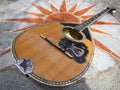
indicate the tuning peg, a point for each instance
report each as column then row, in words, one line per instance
column 107, row 7
column 112, row 11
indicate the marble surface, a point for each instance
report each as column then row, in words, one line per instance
column 103, row 73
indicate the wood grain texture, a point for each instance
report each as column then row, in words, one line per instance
column 49, row 63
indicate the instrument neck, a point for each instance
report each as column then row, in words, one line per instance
column 91, row 20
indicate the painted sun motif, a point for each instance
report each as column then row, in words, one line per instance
column 64, row 15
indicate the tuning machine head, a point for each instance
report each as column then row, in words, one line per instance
column 112, row 11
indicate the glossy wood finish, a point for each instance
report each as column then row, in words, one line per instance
column 49, row 63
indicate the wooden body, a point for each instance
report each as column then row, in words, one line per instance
column 51, row 67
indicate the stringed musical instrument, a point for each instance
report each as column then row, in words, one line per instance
column 60, row 52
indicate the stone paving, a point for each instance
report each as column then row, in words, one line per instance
column 103, row 73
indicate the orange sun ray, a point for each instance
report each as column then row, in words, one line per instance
column 98, row 31
column 43, row 10
column 72, row 9
column 35, row 14
column 22, row 29
column 29, row 20
column 63, row 7
column 102, row 22
column 105, row 23
column 97, row 43
column 7, row 50
column 53, row 7
column 86, row 17
column 80, row 12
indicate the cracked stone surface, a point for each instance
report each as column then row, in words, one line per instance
column 101, row 78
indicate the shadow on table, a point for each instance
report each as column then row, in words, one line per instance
column 11, row 78
column 80, row 85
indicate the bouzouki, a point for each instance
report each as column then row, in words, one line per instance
column 59, row 52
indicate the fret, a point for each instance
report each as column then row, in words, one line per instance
column 91, row 20
column 79, row 27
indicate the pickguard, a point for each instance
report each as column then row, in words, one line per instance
column 79, row 51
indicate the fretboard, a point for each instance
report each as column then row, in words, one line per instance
column 90, row 21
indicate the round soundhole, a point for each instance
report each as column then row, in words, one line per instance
column 71, row 34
